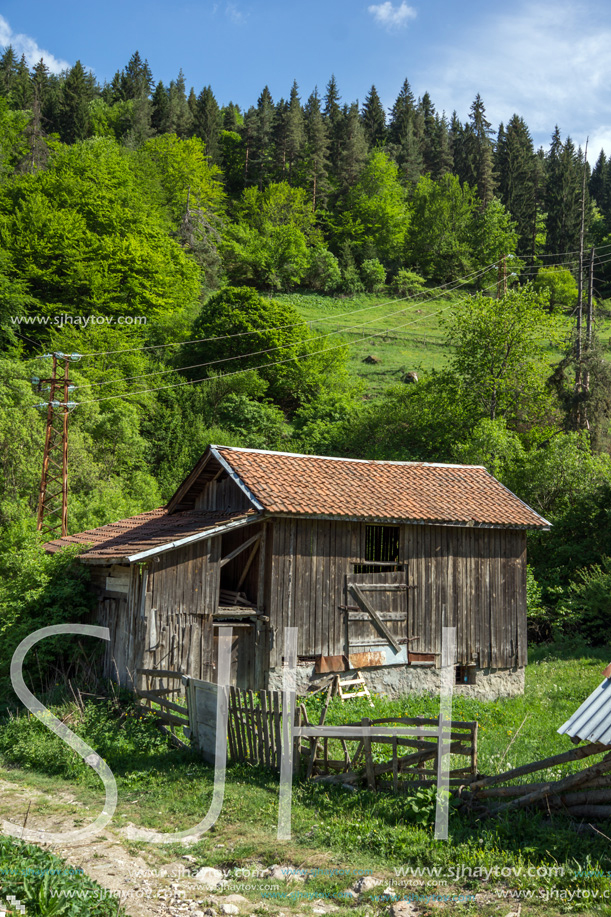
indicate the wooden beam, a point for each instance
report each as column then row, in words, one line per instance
column 364, row 604
column 251, row 557
column 239, row 549
column 186, row 484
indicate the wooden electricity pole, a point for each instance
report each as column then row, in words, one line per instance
column 53, row 495
column 501, row 284
column 578, row 347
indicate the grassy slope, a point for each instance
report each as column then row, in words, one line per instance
column 405, row 335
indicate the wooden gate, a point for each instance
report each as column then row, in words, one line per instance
column 377, row 618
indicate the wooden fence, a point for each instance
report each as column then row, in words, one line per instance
column 376, row 758
column 254, row 727
column 157, row 689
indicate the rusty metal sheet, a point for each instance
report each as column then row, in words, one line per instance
column 364, row 660
column 330, row 664
column 421, row 657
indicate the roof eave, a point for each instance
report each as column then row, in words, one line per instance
column 171, row 545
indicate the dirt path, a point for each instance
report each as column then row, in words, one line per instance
column 145, row 883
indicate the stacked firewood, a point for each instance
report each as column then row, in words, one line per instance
column 584, row 794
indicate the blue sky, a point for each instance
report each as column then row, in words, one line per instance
column 549, row 62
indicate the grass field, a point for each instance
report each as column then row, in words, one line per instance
column 405, row 335
column 336, row 833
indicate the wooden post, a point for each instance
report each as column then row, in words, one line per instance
column 371, row 779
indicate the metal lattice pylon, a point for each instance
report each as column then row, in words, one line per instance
column 53, row 496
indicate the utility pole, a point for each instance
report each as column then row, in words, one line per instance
column 53, row 495
column 501, row 284
column 578, row 348
column 589, row 323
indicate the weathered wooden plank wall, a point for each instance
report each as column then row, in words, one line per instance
column 473, row 579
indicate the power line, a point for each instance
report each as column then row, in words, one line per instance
column 268, row 365
column 446, row 287
column 256, row 353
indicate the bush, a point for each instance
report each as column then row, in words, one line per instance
column 561, row 286
column 373, row 275
column 351, row 281
column 407, row 283
column 324, row 271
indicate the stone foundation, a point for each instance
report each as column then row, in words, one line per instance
column 398, row 680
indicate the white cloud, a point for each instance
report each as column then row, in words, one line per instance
column 392, row 17
column 547, row 62
column 23, row 44
column 234, row 14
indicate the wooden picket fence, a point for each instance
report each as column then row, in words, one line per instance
column 255, row 727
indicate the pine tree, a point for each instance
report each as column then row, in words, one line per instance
column 74, row 111
column 192, row 103
column 295, row 132
column 21, row 88
column 516, row 170
column 38, row 150
column 373, row 118
column 401, row 115
column 599, row 184
column 442, row 161
column 354, row 149
column 564, row 175
column 232, row 118
column 316, row 156
column 136, row 80
column 160, row 109
column 180, row 120
column 482, row 145
column 332, row 114
column 426, row 131
column 249, row 135
column 8, row 71
column 263, row 151
column 207, row 122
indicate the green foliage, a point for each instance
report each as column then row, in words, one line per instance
column 500, row 353
column 324, row 272
column 39, row 879
column 408, row 283
column 253, row 332
column 83, row 237
column 378, row 215
column 440, row 237
column 36, row 590
column 560, row 286
column 588, row 602
column 373, row 275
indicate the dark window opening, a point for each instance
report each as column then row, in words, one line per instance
column 382, row 543
column 465, row 674
column 381, row 550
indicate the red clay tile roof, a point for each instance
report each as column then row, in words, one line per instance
column 120, row 540
column 378, row 491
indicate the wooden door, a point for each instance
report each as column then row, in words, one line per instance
column 376, row 618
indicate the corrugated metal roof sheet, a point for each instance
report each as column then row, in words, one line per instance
column 377, row 491
column 120, row 540
column 592, row 721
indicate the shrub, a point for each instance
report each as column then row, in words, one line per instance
column 407, row 283
column 373, row 275
column 324, row 271
column 351, row 281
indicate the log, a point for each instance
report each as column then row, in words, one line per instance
column 556, row 787
column 584, row 751
column 589, row 811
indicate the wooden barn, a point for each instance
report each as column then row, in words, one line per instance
column 367, row 559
